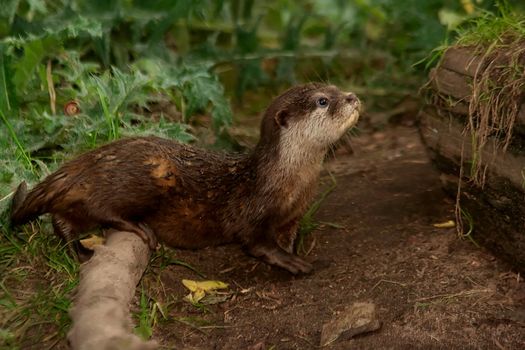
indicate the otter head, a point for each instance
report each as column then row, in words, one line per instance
column 309, row 118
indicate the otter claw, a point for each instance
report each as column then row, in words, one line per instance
column 278, row 257
column 297, row 265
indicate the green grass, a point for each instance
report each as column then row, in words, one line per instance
column 38, row 278
column 308, row 222
column 493, row 27
column 465, row 215
column 21, row 150
column 148, row 315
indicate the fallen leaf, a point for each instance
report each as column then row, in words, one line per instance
column 199, row 289
column 204, row 285
column 215, row 299
column 446, row 224
column 92, row 241
column 195, row 297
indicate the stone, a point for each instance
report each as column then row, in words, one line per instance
column 359, row 318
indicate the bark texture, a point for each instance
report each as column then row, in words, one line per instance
column 100, row 312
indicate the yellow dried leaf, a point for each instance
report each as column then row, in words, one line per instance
column 189, row 298
column 92, row 241
column 195, row 297
column 199, row 289
column 204, row 285
column 198, row 295
column 446, row 224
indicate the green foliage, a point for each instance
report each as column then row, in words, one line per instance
column 48, row 61
column 146, row 316
column 196, row 85
column 308, row 223
column 7, row 94
column 34, row 300
column 493, row 28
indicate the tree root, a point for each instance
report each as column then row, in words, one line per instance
column 100, row 312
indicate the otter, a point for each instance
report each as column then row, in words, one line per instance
column 188, row 197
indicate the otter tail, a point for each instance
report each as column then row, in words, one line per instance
column 27, row 206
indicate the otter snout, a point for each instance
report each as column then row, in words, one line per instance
column 354, row 100
column 351, row 97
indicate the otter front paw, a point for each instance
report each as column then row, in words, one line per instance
column 292, row 263
column 274, row 255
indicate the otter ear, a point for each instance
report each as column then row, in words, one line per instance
column 281, row 118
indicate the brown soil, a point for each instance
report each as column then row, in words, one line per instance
column 432, row 290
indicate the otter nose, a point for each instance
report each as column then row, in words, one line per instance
column 351, row 97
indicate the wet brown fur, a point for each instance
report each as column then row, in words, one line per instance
column 190, row 197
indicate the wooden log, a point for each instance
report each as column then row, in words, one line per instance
column 100, row 312
column 458, row 88
column 451, row 83
column 497, row 209
column 497, row 222
column 462, row 60
column 462, row 109
column 445, row 136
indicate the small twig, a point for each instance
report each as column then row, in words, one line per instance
column 457, row 208
column 460, row 294
column 52, row 346
column 254, row 266
column 51, row 88
column 307, row 341
column 189, row 324
column 311, row 247
column 498, row 344
column 220, row 327
column 387, row 281
column 241, row 287
column 228, row 269
column 6, row 196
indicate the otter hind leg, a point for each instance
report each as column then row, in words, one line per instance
column 272, row 254
column 66, row 230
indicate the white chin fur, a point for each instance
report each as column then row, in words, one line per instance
column 352, row 120
column 313, row 133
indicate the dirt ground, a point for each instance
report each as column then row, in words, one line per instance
column 432, row 290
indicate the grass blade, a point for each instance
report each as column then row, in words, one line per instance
column 25, row 156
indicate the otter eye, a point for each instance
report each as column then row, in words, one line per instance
column 322, row 102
